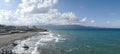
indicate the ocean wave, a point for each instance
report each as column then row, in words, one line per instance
column 35, row 44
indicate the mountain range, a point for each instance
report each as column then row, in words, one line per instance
column 71, row 27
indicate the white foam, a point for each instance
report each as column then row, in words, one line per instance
column 58, row 35
column 36, row 51
column 40, row 40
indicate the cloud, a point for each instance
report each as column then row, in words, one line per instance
column 93, row 21
column 7, row 1
column 84, row 20
column 6, row 17
column 35, row 6
column 43, row 12
column 52, row 17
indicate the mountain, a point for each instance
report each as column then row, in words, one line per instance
column 72, row 27
column 68, row 27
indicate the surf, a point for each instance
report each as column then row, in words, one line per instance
column 35, row 44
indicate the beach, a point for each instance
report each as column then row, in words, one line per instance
column 10, row 38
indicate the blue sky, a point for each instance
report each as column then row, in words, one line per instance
column 104, row 12
column 100, row 10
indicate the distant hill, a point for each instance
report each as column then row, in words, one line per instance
column 67, row 27
column 71, row 27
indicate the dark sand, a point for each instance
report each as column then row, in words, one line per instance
column 10, row 38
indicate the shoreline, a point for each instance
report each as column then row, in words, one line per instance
column 6, row 40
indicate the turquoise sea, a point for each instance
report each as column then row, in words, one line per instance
column 97, row 41
column 89, row 41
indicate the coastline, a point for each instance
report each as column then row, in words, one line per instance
column 10, row 38
column 10, row 34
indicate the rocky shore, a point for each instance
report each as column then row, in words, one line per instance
column 9, row 34
column 8, row 39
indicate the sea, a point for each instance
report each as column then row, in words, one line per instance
column 72, row 41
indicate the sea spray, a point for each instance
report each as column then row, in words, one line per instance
column 41, row 41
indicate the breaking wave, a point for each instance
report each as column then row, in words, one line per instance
column 38, row 44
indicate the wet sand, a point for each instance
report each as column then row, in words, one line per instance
column 10, row 38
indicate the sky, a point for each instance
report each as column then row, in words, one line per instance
column 100, row 13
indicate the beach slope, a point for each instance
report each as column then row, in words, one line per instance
column 10, row 38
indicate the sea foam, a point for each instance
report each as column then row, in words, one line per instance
column 35, row 43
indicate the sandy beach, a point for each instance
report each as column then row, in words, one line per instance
column 10, row 38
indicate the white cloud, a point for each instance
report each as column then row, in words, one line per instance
column 6, row 17
column 93, row 21
column 84, row 20
column 52, row 17
column 35, row 6
column 7, row 1
column 42, row 12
